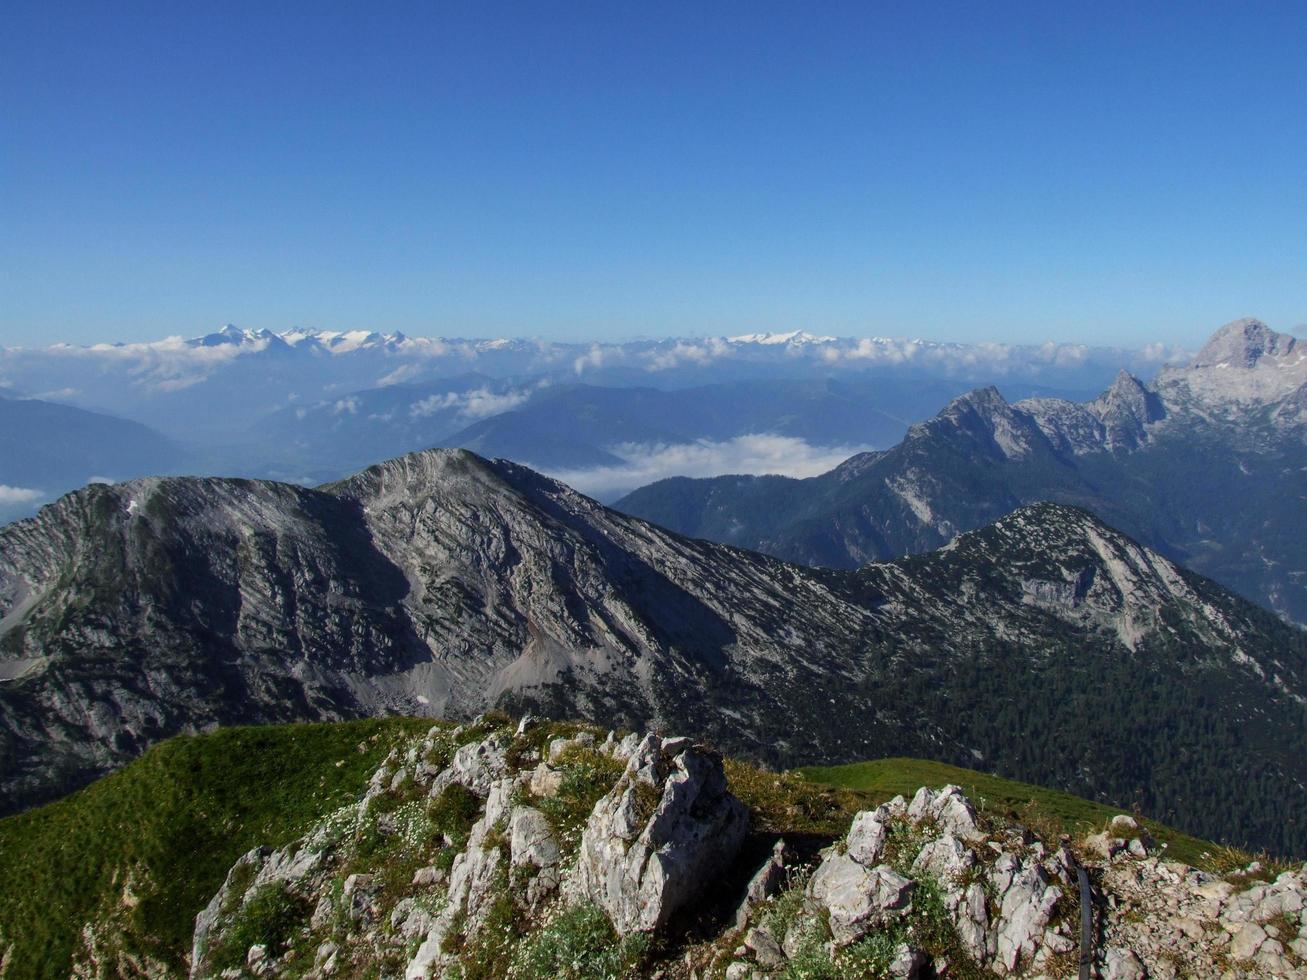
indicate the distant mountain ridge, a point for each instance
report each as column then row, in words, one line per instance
column 227, row 380
column 567, row 426
column 441, row 583
column 1208, row 463
column 47, row 449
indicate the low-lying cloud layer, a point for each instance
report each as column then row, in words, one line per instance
column 478, row 404
column 757, row 454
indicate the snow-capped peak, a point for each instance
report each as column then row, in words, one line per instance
column 793, row 337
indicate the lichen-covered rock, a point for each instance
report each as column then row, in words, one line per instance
column 640, row 867
column 950, row 863
column 532, row 844
column 908, row 963
column 1121, row 964
column 474, row 879
column 1027, row 897
column 869, row 829
column 559, row 746
column 258, row 869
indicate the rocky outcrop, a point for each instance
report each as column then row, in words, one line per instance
column 1009, row 905
column 638, row 828
column 1180, row 922
column 641, row 867
column 1230, row 422
column 660, row 827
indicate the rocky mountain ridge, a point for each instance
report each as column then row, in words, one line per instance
column 442, row 583
column 1208, row 464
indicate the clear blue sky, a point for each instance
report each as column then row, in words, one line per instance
column 1096, row 171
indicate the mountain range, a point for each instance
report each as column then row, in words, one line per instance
column 1207, row 464
column 309, row 406
column 224, row 382
column 605, row 439
column 440, row 583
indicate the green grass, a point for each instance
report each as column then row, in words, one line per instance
column 1044, row 810
column 171, row 823
column 579, row 944
column 269, row 918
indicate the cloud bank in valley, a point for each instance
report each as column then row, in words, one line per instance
column 757, row 454
column 478, row 404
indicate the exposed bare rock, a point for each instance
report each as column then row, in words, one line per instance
column 858, row 899
column 948, row 809
column 642, row 867
column 765, row 883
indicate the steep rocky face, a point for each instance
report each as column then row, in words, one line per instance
column 1061, row 563
column 1249, row 343
column 1207, row 465
column 441, row 583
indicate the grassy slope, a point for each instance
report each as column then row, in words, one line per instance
column 174, row 821
column 882, row 779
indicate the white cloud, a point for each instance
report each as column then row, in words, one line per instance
column 477, row 404
column 57, row 394
column 1162, row 354
column 12, row 496
column 483, row 402
column 405, row 372
column 166, row 365
column 350, row 405
column 433, row 404
column 749, row 454
column 681, row 352
column 592, row 359
column 879, row 349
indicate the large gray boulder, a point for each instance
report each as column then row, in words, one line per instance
column 1027, row 898
column 640, row 867
column 476, row 766
column 473, row 881
column 858, row 898
column 533, row 845
column 948, row 809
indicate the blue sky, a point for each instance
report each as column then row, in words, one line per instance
column 1098, row 172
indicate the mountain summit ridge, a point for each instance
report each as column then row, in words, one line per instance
column 445, row 583
column 1243, row 343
